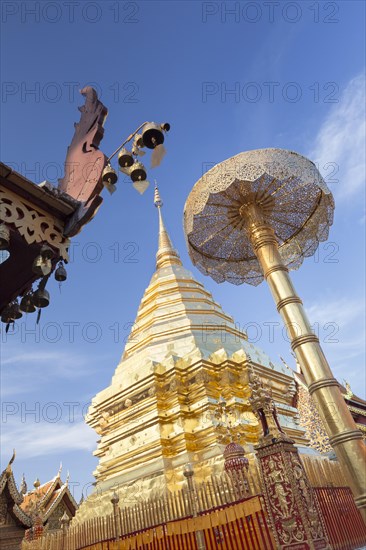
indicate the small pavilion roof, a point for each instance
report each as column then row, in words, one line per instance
column 47, row 496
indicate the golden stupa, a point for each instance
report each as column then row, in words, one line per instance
column 183, row 355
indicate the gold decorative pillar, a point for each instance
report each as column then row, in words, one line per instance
column 115, row 501
column 291, row 505
column 294, row 513
column 343, row 434
column 236, row 465
column 188, row 474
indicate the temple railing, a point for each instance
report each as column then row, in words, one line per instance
column 227, row 510
column 322, row 471
column 228, row 514
column 242, row 524
column 345, row 527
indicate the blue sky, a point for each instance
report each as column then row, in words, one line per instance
column 282, row 74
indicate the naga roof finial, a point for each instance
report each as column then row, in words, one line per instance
column 23, row 486
column 349, row 391
column 84, row 161
column 8, row 468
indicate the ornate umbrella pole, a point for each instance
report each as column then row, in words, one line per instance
column 344, row 436
column 256, row 216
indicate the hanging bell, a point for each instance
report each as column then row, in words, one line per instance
column 37, row 266
column 138, row 172
column 11, row 312
column 4, row 237
column 60, row 273
column 26, row 303
column 137, row 144
column 15, row 312
column 109, row 175
column 109, row 178
column 6, row 315
column 41, row 266
column 41, row 298
column 153, row 134
column 138, row 141
column 46, row 252
column 125, row 158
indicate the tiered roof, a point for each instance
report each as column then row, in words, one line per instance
column 44, row 499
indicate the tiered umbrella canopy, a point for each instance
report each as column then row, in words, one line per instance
column 293, row 198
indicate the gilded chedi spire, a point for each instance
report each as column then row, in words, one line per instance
column 157, row 414
column 166, row 255
column 176, row 312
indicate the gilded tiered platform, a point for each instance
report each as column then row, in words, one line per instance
column 160, row 410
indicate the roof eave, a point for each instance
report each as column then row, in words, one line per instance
column 60, row 206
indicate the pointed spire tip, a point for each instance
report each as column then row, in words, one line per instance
column 166, row 254
column 157, row 199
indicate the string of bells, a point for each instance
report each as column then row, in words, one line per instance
column 151, row 137
column 40, row 298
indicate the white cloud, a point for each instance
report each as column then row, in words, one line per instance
column 342, row 311
column 29, row 371
column 63, row 363
column 344, row 343
column 24, row 372
column 341, row 140
column 35, row 357
column 33, row 439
